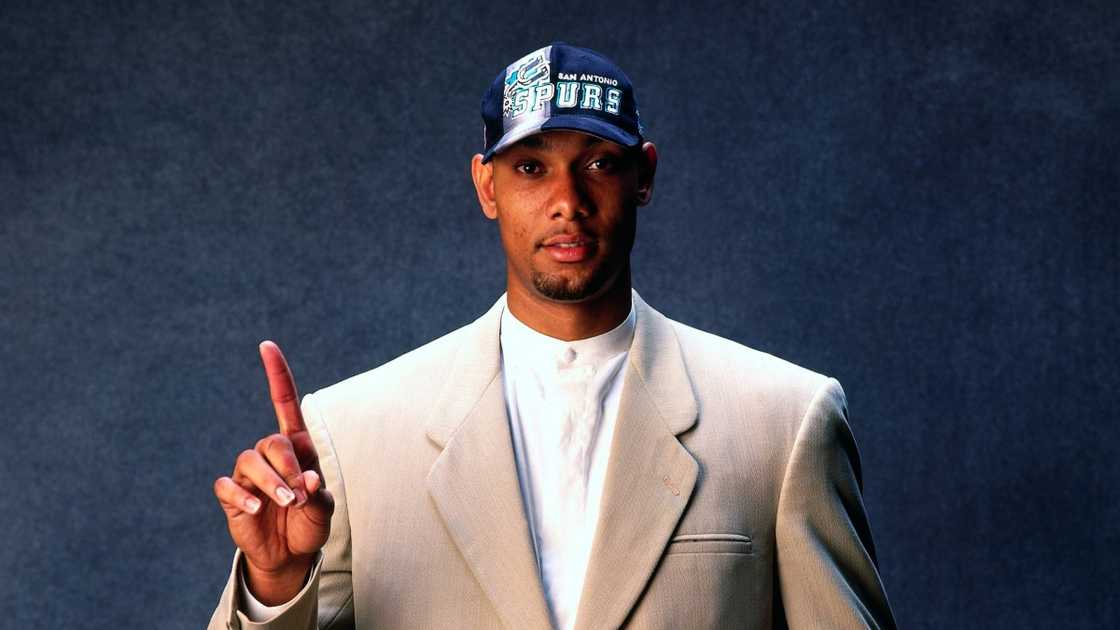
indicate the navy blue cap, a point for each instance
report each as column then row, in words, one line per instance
column 560, row 87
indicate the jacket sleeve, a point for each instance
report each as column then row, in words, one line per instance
column 327, row 600
column 825, row 556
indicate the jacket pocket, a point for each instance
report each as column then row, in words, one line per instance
column 711, row 543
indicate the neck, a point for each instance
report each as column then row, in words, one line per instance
column 572, row 320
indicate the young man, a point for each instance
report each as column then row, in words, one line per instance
column 571, row 459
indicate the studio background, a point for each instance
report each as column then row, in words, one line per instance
column 920, row 201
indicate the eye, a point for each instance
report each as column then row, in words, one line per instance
column 604, row 163
column 527, row 168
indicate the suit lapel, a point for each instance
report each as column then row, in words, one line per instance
column 474, row 481
column 650, row 476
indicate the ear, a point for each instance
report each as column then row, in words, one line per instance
column 483, row 176
column 647, row 168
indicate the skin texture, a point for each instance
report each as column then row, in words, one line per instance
column 566, row 182
column 558, row 182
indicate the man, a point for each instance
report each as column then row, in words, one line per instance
column 571, row 459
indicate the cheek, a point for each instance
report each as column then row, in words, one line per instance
column 516, row 218
column 616, row 216
column 515, row 231
column 516, row 236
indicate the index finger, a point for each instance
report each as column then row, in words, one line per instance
column 282, row 389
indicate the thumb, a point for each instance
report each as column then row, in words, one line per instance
column 320, row 502
column 312, row 481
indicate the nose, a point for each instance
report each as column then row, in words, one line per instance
column 568, row 198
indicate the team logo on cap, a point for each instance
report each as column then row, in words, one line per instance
column 588, row 92
column 527, row 88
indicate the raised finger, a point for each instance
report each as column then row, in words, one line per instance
column 257, row 472
column 277, row 450
column 282, row 389
column 234, row 498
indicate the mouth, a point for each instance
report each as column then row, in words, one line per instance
column 569, row 248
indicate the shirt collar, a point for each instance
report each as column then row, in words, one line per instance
column 521, row 345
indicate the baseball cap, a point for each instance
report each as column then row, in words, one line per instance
column 560, row 87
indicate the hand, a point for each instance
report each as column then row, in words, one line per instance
column 277, row 508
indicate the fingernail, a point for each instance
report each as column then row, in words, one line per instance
column 285, row 495
column 301, row 496
column 252, row 504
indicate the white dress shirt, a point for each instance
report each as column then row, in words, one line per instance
column 562, row 398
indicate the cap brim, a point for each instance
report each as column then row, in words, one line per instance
column 586, row 124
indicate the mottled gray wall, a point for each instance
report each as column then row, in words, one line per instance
column 921, row 201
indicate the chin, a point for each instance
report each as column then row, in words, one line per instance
column 558, row 288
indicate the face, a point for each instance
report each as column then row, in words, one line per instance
column 566, row 205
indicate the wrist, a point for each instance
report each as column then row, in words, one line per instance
column 279, row 585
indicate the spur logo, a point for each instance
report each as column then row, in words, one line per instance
column 527, row 88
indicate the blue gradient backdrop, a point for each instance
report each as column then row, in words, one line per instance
column 920, row 199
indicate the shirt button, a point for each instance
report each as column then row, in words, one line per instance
column 568, row 356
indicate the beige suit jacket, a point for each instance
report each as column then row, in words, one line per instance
column 732, row 497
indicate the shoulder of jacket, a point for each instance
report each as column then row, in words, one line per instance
column 712, row 356
column 777, row 392
column 414, row 366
